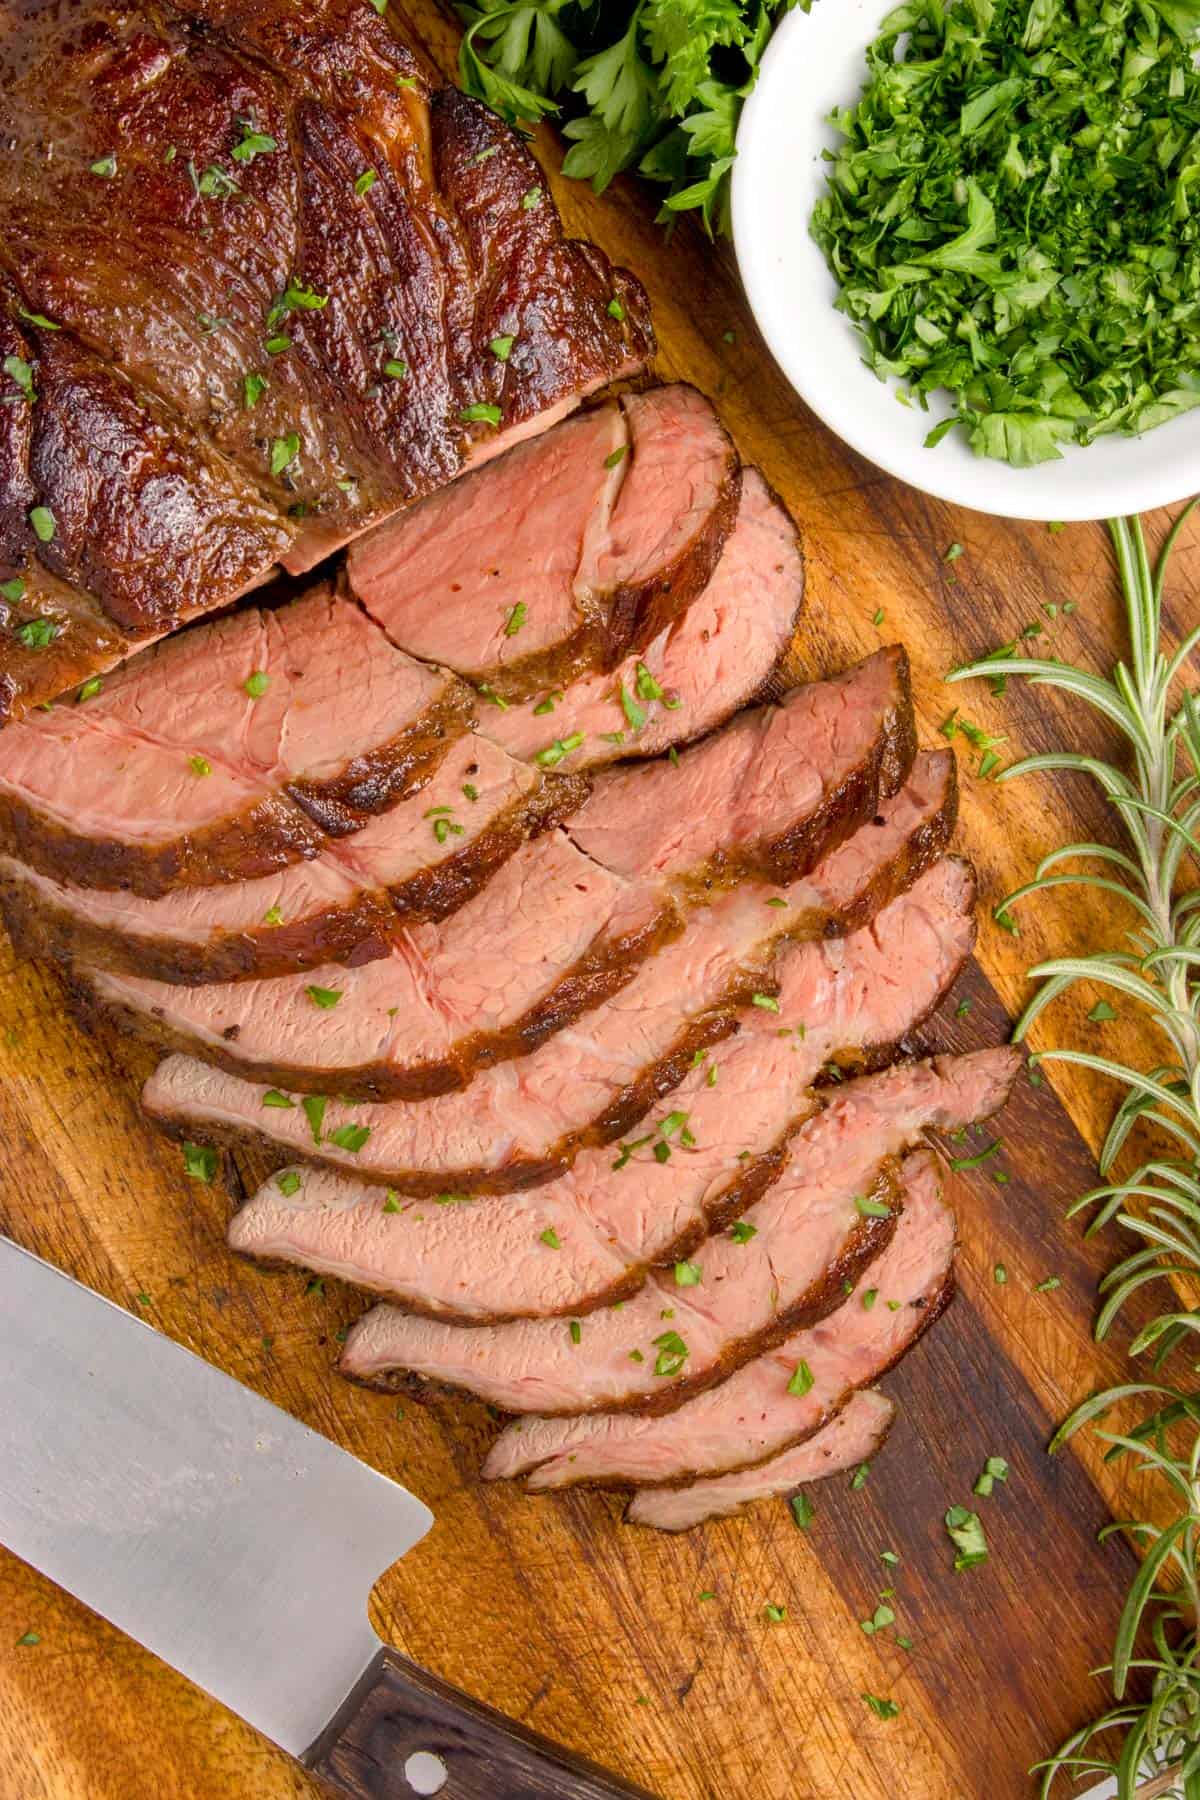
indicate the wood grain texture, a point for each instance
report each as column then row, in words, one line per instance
column 548, row 1609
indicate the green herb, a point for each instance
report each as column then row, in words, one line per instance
column 801, row 1381
column 470, row 791
column 1000, row 1274
column 871, row 1209
column 615, row 309
column 687, row 1274
column 803, row 1511
column 365, row 182
column 391, row 1202
column 13, row 590
column 635, row 716
column 257, row 684
column 501, row 347
column 1101, row 1013
column 253, row 143
column 28, row 1640
column 104, row 166
column 315, row 1285
column 767, row 1002
column 253, row 388
column 22, row 373
column 38, row 319
column 294, row 298
column 975, row 1162
column 1048, row 1286
column 869, row 1298
column 883, row 1709
column 37, row 634
column 741, row 1231
column 616, row 457
column 350, row 1137
column 575, row 1330
column 215, row 183
column 395, row 368
column 324, row 997
column 481, row 410
column 775, row 1614
column 966, row 1534
column 994, row 1469
column 545, row 706
column 273, row 1097
column 550, row 1238
column 1027, row 250
column 275, row 346
column 888, row 1556
column 860, row 1475
column 44, row 524
column 314, row 1107
column 672, row 1353
column 273, row 915
column 881, row 1618
column 200, row 766
column 284, row 451
column 199, row 1162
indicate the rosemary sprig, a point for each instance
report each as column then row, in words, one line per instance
column 1156, row 800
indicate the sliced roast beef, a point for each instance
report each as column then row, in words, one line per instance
column 418, row 861
column 522, row 1123
column 568, row 553
column 656, row 1198
column 787, row 778
column 225, row 753
column 852, row 1437
column 550, row 936
column 752, row 1416
column 753, row 1428
column 828, row 1213
column 520, row 963
column 730, row 646
column 242, row 354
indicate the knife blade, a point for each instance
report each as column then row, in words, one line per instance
column 237, row 1545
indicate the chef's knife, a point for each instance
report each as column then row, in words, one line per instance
column 238, row 1546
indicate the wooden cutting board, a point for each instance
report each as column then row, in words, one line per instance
column 550, row 1608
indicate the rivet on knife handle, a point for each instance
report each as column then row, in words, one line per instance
column 399, row 1718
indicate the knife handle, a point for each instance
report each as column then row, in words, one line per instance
column 399, row 1712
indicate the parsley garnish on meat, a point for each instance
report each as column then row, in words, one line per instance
column 324, row 997
column 1010, row 218
column 253, row 143
column 481, row 410
column 199, row 1161
column 22, row 373
column 44, row 523
column 350, row 1138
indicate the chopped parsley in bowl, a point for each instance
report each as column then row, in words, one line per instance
column 1013, row 216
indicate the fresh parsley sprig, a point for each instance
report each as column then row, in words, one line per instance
column 654, row 86
column 1155, row 798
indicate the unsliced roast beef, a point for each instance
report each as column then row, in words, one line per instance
column 852, row 1437
column 731, row 645
column 829, row 1212
column 556, row 932
column 240, row 351
column 654, row 1199
column 557, row 561
column 752, row 1415
column 418, row 861
column 226, row 752
column 522, row 1123
column 786, row 778
column 753, row 1428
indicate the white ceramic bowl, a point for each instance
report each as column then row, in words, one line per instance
column 815, row 62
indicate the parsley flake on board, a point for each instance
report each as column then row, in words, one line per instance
column 1010, row 220
column 966, row 1534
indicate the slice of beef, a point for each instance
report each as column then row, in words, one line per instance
column 550, row 936
column 752, row 1415
column 568, row 553
column 729, row 646
column 792, row 780
column 657, row 1198
column 188, row 263
column 522, row 1123
column 852, row 1437
column 736, row 1297
column 629, row 1361
column 416, row 1023
column 753, row 1429
column 342, row 907
column 226, row 752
